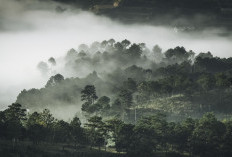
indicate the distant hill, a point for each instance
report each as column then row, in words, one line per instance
column 198, row 13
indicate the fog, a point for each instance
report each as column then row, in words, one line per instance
column 32, row 31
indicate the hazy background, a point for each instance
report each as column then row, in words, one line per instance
column 32, row 31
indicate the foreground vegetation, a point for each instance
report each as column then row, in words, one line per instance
column 150, row 136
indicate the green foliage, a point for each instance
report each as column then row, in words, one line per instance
column 88, row 94
column 12, row 121
column 36, row 130
column 124, row 139
column 222, row 80
column 62, row 131
column 77, row 131
column 206, row 137
column 54, row 80
column 130, row 85
column 177, row 55
column 134, row 52
column 15, row 112
column 46, row 118
column 113, row 126
column 125, row 98
column 206, row 82
column 126, row 75
column 104, row 102
column 96, row 131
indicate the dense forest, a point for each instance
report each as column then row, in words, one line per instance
column 127, row 101
column 158, row 90
column 121, row 78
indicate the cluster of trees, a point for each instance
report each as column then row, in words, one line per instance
column 125, row 73
column 17, row 124
column 89, row 97
column 204, row 137
column 103, row 106
column 134, row 93
column 106, row 56
column 184, row 83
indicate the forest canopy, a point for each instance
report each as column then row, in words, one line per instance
column 121, row 77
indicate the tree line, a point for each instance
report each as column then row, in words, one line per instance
column 204, row 137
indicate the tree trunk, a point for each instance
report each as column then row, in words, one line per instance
column 13, row 143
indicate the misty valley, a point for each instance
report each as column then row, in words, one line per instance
column 115, row 78
column 133, row 101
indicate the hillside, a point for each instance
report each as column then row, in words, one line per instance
column 177, row 13
column 127, row 76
